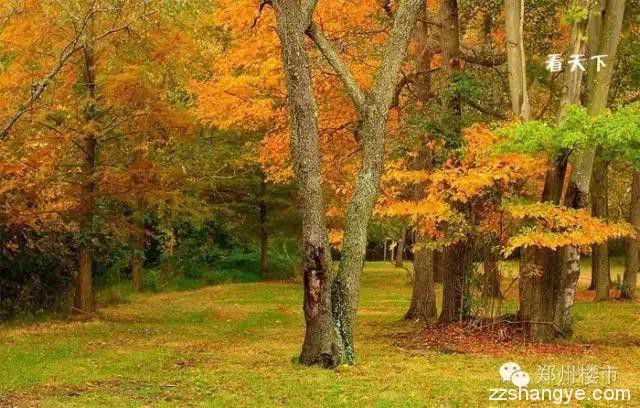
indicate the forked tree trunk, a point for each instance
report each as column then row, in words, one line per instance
column 322, row 344
column 423, row 298
column 604, row 26
column 600, row 208
column 630, row 281
column 373, row 109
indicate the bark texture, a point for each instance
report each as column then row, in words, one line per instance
column 516, row 63
column 423, row 298
column 373, row 109
column 491, row 277
column 454, row 289
column 630, row 281
column 322, row 345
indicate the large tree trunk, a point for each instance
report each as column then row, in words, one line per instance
column 604, row 25
column 539, row 266
column 538, row 269
column 439, row 266
column 454, row 288
column 630, row 281
column 600, row 208
column 456, row 258
column 321, row 346
column 84, row 299
column 264, row 231
column 423, row 298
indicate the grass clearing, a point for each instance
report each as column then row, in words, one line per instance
column 236, row 344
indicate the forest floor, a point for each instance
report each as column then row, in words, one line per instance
column 236, row 345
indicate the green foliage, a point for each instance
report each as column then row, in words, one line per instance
column 618, row 133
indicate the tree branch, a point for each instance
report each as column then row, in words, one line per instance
column 485, row 60
column 338, row 65
column 484, row 109
column 67, row 52
column 386, row 77
column 307, row 13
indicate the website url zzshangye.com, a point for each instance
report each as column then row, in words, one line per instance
column 559, row 396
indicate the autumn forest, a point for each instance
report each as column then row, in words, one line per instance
column 298, row 202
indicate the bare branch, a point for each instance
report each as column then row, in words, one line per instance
column 67, row 52
column 70, row 49
column 333, row 58
column 484, row 109
column 259, row 13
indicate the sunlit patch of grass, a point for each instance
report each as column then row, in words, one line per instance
column 236, row 344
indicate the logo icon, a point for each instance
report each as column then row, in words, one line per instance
column 512, row 372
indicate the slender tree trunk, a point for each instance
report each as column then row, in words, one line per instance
column 84, row 299
column 137, row 261
column 400, row 247
column 516, row 63
column 264, row 231
column 630, row 281
column 600, row 208
column 137, row 272
column 322, row 345
column 450, row 44
column 604, row 26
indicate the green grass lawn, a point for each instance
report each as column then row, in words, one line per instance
column 235, row 345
